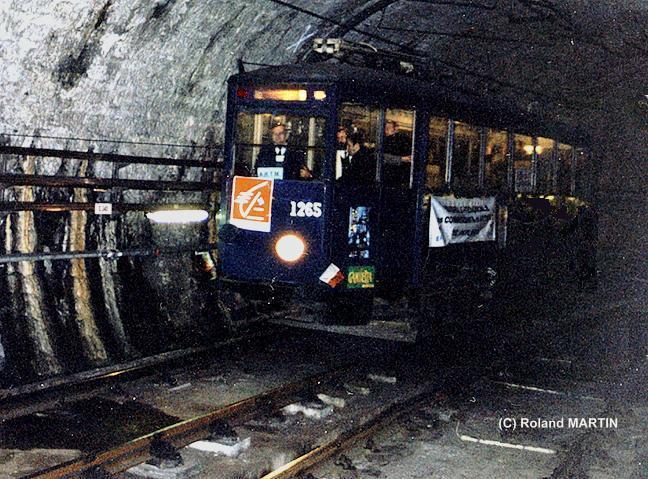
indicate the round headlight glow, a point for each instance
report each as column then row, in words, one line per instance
column 290, row 248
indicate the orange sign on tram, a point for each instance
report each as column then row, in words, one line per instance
column 251, row 207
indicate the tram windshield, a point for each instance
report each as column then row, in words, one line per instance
column 279, row 146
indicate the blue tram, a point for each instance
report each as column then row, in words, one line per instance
column 349, row 183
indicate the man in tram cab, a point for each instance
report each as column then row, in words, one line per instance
column 362, row 161
column 281, row 161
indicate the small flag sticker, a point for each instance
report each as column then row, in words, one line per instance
column 332, row 276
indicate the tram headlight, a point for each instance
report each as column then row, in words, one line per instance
column 290, row 247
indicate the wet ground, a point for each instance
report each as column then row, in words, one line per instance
column 89, row 425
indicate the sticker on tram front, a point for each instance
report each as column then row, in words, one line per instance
column 359, row 238
column 332, row 276
column 251, row 207
column 274, row 172
column 361, row 277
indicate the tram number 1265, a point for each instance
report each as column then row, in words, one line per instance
column 305, row 209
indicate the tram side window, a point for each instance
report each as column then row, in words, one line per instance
column 544, row 166
column 465, row 156
column 564, row 169
column 360, row 122
column 522, row 164
column 435, row 170
column 288, row 147
column 496, row 160
column 397, row 147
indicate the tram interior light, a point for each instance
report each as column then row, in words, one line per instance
column 177, row 216
column 319, row 95
column 280, row 94
column 528, row 149
column 290, row 248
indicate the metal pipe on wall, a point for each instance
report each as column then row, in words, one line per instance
column 12, row 206
column 106, row 254
column 107, row 157
column 84, row 182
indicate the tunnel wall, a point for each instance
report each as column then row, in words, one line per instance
column 622, row 302
column 150, row 76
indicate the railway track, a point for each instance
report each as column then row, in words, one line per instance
column 27, row 399
column 379, row 419
column 363, row 412
column 345, row 433
column 137, row 451
column 159, row 445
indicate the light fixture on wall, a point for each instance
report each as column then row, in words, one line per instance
column 177, row 216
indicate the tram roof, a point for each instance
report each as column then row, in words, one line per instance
column 377, row 86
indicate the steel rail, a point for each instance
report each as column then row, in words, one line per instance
column 137, row 451
column 79, row 182
column 80, row 206
column 347, row 439
column 107, row 157
column 30, row 398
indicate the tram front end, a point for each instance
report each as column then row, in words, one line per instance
column 277, row 210
column 275, row 232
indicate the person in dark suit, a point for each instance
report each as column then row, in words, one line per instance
column 341, row 155
column 361, row 169
column 396, row 142
column 280, row 155
column 397, row 149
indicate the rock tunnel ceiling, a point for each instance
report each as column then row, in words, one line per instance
column 156, row 71
column 151, row 76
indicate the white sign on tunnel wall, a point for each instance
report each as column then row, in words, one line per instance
column 461, row 220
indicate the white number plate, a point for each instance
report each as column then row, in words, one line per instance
column 305, row 209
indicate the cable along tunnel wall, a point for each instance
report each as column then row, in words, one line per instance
column 81, row 290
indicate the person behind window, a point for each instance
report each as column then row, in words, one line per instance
column 396, row 142
column 362, row 161
column 341, row 135
column 341, row 155
column 287, row 160
column 397, row 149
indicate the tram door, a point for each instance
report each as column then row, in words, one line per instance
column 396, row 197
column 355, row 223
column 373, row 193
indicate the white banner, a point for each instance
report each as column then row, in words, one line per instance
column 461, row 220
